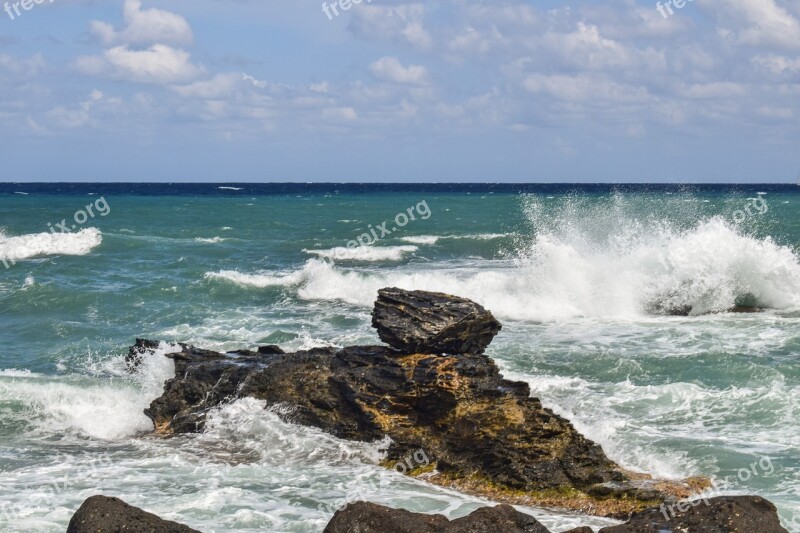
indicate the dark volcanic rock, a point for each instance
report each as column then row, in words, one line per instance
column 728, row 514
column 432, row 323
column 111, row 515
column 482, row 433
column 371, row 518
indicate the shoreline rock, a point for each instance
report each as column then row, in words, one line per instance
column 726, row 514
column 105, row 514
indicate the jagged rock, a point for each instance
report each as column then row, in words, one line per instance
column 366, row 517
column 483, row 434
column 432, row 323
column 135, row 353
column 108, row 515
column 727, row 514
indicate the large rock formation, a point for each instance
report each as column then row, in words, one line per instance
column 371, row 518
column 484, row 434
column 432, row 323
column 101, row 514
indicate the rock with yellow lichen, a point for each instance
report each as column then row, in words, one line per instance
column 484, row 434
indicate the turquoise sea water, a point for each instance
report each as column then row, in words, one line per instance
column 577, row 275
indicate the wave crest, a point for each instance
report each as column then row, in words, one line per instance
column 47, row 244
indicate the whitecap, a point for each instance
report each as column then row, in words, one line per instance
column 48, row 244
column 366, row 254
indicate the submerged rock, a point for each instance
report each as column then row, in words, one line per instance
column 727, row 514
column 432, row 323
column 104, row 514
column 371, row 518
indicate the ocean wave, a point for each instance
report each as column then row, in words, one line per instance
column 47, row 244
column 366, row 254
column 212, row 240
column 102, row 408
column 585, row 265
column 433, row 239
column 260, row 281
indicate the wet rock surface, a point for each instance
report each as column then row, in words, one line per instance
column 433, row 323
column 101, row 514
column 472, row 423
column 371, row 518
column 728, row 514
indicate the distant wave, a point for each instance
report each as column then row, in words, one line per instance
column 433, row 239
column 212, row 240
column 230, row 188
column 256, row 280
column 365, row 254
column 47, row 244
column 422, row 239
column 22, row 193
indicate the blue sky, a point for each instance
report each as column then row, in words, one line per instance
column 276, row 90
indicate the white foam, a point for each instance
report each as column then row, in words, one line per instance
column 104, row 408
column 48, row 244
column 602, row 264
column 422, row 239
column 212, row 240
column 257, row 280
column 433, row 239
column 365, row 254
column 229, row 188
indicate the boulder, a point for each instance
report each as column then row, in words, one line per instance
column 432, row 323
column 727, row 514
column 481, row 433
column 110, row 515
column 371, row 518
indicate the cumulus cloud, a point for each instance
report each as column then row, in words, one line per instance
column 390, row 69
column 759, row 22
column 160, row 64
column 144, row 26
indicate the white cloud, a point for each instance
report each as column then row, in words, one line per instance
column 759, row 23
column 390, row 69
column 144, row 26
column 400, row 23
column 159, row 64
column 584, row 88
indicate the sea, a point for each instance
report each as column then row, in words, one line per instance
column 585, row 279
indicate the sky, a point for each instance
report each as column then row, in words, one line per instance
column 396, row 91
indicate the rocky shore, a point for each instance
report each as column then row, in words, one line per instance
column 433, row 389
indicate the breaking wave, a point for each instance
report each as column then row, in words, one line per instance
column 47, row 244
column 582, row 262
